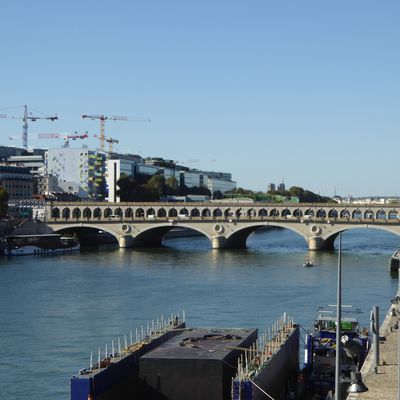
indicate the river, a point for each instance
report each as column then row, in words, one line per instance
column 55, row 310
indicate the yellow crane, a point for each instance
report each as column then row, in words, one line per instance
column 103, row 119
column 110, row 142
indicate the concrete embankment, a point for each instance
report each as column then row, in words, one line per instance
column 382, row 385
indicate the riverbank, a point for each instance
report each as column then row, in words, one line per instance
column 382, row 385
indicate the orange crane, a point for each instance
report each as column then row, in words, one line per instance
column 103, row 119
column 25, row 118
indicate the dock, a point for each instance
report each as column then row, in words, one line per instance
column 382, row 385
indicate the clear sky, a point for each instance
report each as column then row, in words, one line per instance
column 305, row 91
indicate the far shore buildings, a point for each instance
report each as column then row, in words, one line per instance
column 118, row 165
column 92, row 175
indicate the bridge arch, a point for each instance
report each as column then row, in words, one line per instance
column 368, row 214
column 392, row 214
column 150, row 212
column 381, row 214
column 66, row 213
column 78, row 227
column 330, row 238
column 333, row 213
column 357, row 214
column 129, row 213
column 238, row 238
column 107, row 212
column 227, row 213
column 55, row 212
column 87, row 213
column 97, row 213
column 321, row 213
column 274, row 213
column 195, row 212
column 263, row 213
column 309, row 212
column 345, row 213
column 162, row 213
column 139, row 213
column 154, row 234
column 297, row 213
column 76, row 213
column 206, row 213
column 217, row 213
column 184, row 211
column 172, row 213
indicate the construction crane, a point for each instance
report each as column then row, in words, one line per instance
column 110, row 142
column 103, row 119
column 25, row 118
column 65, row 136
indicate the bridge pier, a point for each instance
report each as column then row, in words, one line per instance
column 125, row 241
column 318, row 243
column 218, row 242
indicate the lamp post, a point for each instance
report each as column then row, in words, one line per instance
column 338, row 322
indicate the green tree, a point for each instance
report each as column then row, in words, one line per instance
column 156, row 184
column 171, row 185
column 127, row 188
column 217, row 195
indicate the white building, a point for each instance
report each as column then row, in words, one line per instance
column 78, row 166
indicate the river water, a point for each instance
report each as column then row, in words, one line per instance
column 55, row 310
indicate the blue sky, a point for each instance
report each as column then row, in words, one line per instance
column 305, row 91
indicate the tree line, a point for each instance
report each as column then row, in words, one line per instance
column 151, row 189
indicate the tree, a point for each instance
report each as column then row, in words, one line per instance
column 156, row 184
column 217, row 195
column 127, row 188
column 3, row 202
column 171, row 185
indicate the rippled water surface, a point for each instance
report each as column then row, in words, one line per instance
column 55, row 310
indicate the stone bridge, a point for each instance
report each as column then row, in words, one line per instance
column 226, row 225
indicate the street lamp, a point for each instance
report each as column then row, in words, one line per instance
column 338, row 322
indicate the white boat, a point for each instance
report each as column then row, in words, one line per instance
column 21, row 245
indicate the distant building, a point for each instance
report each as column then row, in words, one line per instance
column 132, row 165
column 281, row 187
column 18, row 181
column 271, row 187
column 79, row 168
column 46, row 184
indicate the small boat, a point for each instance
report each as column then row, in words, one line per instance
column 21, row 245
column 308, row 263
column 320, row 352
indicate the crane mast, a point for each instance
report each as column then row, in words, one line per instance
column 103, row 119
column 25, row 119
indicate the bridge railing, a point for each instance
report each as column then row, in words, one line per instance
column 231, row 219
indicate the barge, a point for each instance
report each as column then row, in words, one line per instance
column 269, row 368
column 169, row 361
column 115, row 375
